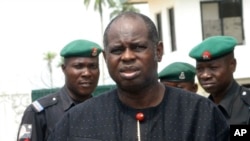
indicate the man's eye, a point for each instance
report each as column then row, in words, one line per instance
column 78, row 66
column 139, row 48
column 116, row 51
column 93, row 66
column 199, row 69
column 213, row 67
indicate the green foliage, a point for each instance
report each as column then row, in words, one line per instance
column 49, row 57
column 98, row 6
column 122, row 7
column 117, row 5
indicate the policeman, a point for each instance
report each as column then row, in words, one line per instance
column 180, row 75
column 81, row 70
column 215, row 65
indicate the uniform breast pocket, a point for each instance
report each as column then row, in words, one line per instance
column 82, row 139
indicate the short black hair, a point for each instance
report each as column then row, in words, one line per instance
column 152, row 31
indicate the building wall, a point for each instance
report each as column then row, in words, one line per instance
column 188, row 30
column 242, row 52
column 12, row 107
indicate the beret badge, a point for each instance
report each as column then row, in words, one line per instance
column 182, row 76
column 206, row 55
column 94, row 51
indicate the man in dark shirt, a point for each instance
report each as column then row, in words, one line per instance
column 180, row 75
column 81, row 69
column 140, row 108
column 215, row 65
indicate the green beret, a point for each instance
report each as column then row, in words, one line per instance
column 213, row 48
column 81, row 48
column 178, row 72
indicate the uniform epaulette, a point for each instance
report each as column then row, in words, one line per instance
column 245, row 95
column 41, row 104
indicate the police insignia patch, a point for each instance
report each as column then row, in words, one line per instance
column 206, row 55
column 182, row 76
column 25, row 132
column 38, row 107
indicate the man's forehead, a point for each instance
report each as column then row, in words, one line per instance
column 81, row 59
column 211, row 62
column 127, row 28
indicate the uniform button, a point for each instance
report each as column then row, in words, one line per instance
column 29, row 126
column 244, row 93
column 53, row 98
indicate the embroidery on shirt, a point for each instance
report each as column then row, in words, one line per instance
column 25, row 132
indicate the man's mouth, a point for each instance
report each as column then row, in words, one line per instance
column 129, row 74
column 207, row 85
column 85, row 84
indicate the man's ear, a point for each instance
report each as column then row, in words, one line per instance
column 63, row 67
column 104, row 55
column 159, row 51
column 195, row 87
column 233, row 64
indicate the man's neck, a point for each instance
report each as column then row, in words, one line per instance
column 217, row 97
column 146, row 98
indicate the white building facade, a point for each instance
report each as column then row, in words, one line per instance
column 182, row 24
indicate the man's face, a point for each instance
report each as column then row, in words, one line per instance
column 189, row 86
column 81, row 75
column 130, row 56
column 216, row 75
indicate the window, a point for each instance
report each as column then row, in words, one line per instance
column 222, row 17
column 172, row 29
column 158, row 18
column 247, row 86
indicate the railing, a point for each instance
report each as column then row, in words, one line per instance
column 12, row 107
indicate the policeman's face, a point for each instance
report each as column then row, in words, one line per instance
column 189, row 86
column 216, row 75
column 81, row 75
column 130, row 56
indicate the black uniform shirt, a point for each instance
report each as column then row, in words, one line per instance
column 235, row 105
column 41, row 116
column 181, row 116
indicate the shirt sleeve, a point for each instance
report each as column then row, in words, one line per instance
column 31, row 126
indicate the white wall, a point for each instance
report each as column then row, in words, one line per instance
column 242, row 53
column 12, row 107
column 188, row 30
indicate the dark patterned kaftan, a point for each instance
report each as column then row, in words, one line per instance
column 181, row 116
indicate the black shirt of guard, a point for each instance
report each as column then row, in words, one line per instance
column 235, row 106
column 41, row 116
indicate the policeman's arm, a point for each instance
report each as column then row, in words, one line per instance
column 31, row 126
